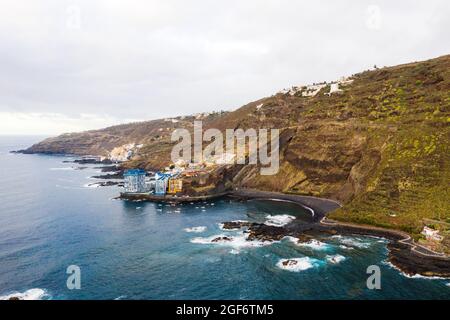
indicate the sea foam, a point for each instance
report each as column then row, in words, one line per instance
column 278, row 220
column 414, row 276
column 236, row 242
column 298, row 264
column 335, row 259
column 312, row 244
column 31, row 294
column 352, row 242
column 196, row 229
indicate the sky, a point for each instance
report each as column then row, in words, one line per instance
column 73, row 65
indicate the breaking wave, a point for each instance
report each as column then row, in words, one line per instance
column 196, row 229
column 298, row 264
column 31, row 294
column 352, row 242
column 312, row 244
column 414, row 276
column 236, row 242
column 335, row 259
column 278, row 220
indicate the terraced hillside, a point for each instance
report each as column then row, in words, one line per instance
column 380, row 146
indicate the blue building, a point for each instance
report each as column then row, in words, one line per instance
column 135, row 181
column 161, row 182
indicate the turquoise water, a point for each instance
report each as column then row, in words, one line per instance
column 50, row 219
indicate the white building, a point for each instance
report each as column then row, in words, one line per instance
column 431, row 234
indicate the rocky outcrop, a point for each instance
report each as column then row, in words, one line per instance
column 231, row 225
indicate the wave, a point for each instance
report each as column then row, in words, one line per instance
column 335, row 259
column 236, row 221
column 279, row 220
column 236, row 242
column 352, row 242
column 414, row 276
column 62, row 169
column 298, row 264
column 31, row 294
column 196, row 229
column 312, row 244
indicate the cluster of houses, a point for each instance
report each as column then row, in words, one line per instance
column 313, row 89
column 169, row 181
column 161, row 183
column 124, row 152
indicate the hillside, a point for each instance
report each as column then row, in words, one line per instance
column 380, row 146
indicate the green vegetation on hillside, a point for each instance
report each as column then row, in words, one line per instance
column 381, row 146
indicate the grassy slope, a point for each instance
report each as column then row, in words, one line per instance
column 380, row 147
column 411, row 182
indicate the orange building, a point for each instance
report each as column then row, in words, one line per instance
column 175, row 185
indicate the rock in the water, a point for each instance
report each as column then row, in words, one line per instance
column 218, row 239
column 287, row 263
column 230, row 225
column 264, row 232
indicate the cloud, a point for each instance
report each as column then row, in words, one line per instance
column 35, row 123
column 145, row 59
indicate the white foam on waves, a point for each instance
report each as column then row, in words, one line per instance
column 31, row 294
column 312, row 244
column 353, row 242
column 237, row 241
column 298, row 264
column 415, row 276
column 198, row 229
column 279, row 220
column 335, row 259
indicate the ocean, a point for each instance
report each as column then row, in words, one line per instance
column 51, row 218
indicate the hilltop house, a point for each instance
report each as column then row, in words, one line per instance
column 431, row 234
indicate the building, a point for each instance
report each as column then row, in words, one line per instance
column 175, row 185
column 135, row 181
column 161, row 183
column 431, row 234
column 334, row 88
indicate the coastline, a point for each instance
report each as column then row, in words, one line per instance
column 406, row 255
column 167, row 198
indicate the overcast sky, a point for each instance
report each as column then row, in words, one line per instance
column 70, row 65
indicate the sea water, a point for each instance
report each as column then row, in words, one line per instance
column 51, row 218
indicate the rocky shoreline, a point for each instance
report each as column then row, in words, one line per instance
column 404, row 254
column 167, row 198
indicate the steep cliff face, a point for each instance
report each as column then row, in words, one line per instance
column 379, row 144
